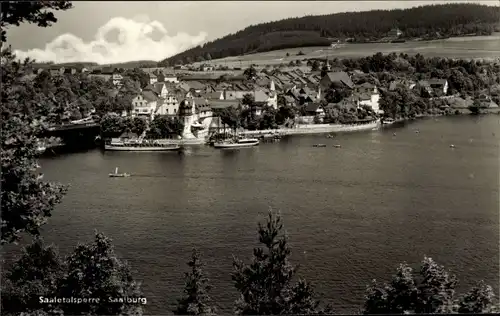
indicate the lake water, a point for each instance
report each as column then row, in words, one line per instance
column 352, row 213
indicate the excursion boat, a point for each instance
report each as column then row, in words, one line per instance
column 388, row 121
column 238, row 143
column 118, row 175
column 123, row 145
column 40, row 147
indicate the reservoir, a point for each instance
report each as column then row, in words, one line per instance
column 352, row 213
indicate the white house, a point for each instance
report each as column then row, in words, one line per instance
column 269, row 98
column 145, row 104
column 171, row 78
column 117, row 79
column 170, row 104
column 207, row 67
column 368, row 94
column 439, row 85
column 153, row 79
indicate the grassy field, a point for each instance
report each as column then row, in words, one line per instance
column 478, row 47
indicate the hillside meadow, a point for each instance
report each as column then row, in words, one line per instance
column 477, row 47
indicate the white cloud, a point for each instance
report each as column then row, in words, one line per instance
column 137, row 39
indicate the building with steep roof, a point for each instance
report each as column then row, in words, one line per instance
column 340, row 78
column 145, row 104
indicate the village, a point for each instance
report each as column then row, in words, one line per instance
column 195, row 95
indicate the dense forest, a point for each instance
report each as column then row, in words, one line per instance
column 435, row 21
column 125, row 65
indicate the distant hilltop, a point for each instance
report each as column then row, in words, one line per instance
column 92, row 65
column 424, row 22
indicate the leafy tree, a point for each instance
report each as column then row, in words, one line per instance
column 36, row 273
column 39, row 12
column 26, row 201
column 208, row 56
column 164, row 127
column 291, row 63
column 266, row 284
column 315, row 65
column 91, row 271
column 432, row 291
column 324, row 71
column 138, row 76
column 475, row 108
column 335, row 94
column 196, row 300
column 94, row 271
column 284, row 113
column 112, row 125
column 229, row 116
column 268, row 119
column 135, row 124
column 250, row 73
column 248, row 100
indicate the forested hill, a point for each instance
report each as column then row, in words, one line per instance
column 426, row 21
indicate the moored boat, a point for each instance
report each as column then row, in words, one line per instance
column 238, row 143
column 145, row 146
column 387, row 121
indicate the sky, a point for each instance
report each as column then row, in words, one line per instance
column 121, row 31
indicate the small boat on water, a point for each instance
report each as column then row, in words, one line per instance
column 330, row 136
column 319, row 145
column 337, row 146
column 146, row 146
column 237, row 143
column 118, row 175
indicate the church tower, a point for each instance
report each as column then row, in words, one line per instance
column 318, row 96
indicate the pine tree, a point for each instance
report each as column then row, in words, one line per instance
column 431, row 291
column 196, row 300
column 266, row 284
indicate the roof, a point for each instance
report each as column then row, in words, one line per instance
column 201, row 104
column 341, row 77
column 196, row 85
column 222, row 104
column 150, row 87
column 312, row 107
column 151, row 75
column 260, row 96
column 149, row 95
column 367, row 85
column 362, row 96
column 213, row 95
column 158, row 86
column 289, row 99
column 441, row 82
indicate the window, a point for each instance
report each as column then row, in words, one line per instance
column 175, row 111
